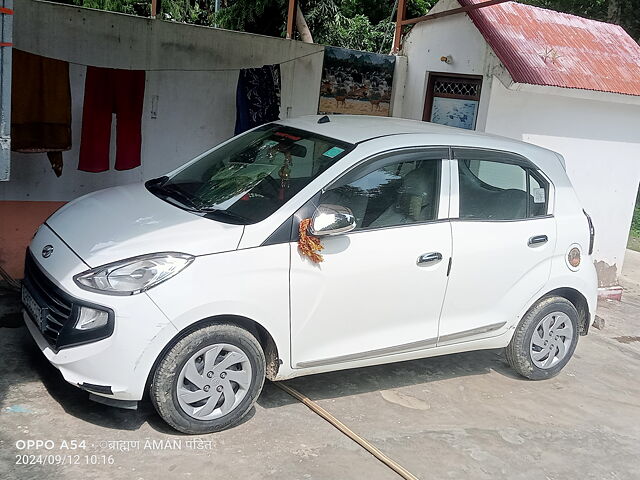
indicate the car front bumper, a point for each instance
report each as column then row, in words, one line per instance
column 115, row 366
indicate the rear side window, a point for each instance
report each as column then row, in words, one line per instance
column 499, row 186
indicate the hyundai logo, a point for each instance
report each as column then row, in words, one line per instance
column 47, row 251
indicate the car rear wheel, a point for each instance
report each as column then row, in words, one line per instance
column 545, row 339
column 209, row 380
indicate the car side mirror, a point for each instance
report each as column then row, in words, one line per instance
column 331, row 220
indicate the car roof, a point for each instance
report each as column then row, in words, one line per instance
column 361, row 128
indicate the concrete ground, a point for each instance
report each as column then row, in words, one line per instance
column 630, row 278
column 458, row 416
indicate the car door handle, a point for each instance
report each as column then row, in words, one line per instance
column 537, row 240
column 429, row 258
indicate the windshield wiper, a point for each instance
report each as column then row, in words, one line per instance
column 154, row 183
column 176, row 193
column 216, row 212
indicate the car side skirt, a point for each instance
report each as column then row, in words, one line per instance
column 498, row 341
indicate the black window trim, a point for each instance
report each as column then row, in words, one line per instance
column 404, row 225
column 381, row 159
column 541, row 179
column 382, row 156
column 293, row 221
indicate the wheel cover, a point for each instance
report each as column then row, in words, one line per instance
column 551, row 340
column 213, row 381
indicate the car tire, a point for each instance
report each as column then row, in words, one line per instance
column 549, row 328
column 209, row 380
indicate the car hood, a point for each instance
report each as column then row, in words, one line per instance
column 127, row 221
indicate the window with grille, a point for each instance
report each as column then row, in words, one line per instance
column 452, row 100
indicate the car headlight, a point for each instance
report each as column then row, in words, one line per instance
column 133, row 275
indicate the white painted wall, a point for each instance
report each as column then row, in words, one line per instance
column 600, row 142
column 454, row 35
column 196, row 109
column 597, row 133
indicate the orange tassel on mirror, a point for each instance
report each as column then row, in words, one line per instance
column 308, row 244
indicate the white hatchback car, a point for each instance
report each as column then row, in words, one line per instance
column 307, row 246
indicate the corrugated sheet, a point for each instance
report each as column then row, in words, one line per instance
column 545, row 47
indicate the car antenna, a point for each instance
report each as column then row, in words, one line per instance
column 324, row 119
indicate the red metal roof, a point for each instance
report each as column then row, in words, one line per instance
column 545, row 47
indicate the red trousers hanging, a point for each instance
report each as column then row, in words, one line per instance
column 108, row 91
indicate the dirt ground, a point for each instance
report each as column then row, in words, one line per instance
column 465, row 416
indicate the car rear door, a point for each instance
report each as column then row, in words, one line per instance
column 380, row 288
column 504, row 237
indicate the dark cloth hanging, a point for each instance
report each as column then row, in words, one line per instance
column 108, row 91
column 40, row 106
column 257, row 97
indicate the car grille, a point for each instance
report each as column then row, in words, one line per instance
column 59, row 308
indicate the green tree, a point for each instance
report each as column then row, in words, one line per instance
column 199, row 12
column 266, row 17
column 358, row 24
column 132, row 7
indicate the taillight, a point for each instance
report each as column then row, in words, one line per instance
column 592, row 232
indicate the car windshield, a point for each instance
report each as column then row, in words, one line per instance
column 249, row 178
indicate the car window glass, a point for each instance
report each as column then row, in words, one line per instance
column 493, row 187
column 249, row 178
column 539, row 191
column 500, row 175
column 399, row 192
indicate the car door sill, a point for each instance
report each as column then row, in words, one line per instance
column 405, row 348
column 381, row 352
column 456, row 337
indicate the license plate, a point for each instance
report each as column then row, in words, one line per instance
column 33, row 309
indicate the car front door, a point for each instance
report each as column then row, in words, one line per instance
column 503, row 241
column 379, row 289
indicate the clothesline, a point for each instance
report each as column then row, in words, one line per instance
column 46, row 123
column 188, row 69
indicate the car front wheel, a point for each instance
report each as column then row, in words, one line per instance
column 209, row 380
column 545, row 339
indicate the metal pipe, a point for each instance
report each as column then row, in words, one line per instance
column 6, row 38
column 377, row 453
column 291, row 18
column 397, row 38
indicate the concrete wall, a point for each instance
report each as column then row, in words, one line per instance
column 195, row 109
column 195, row 104
column 600, row 142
